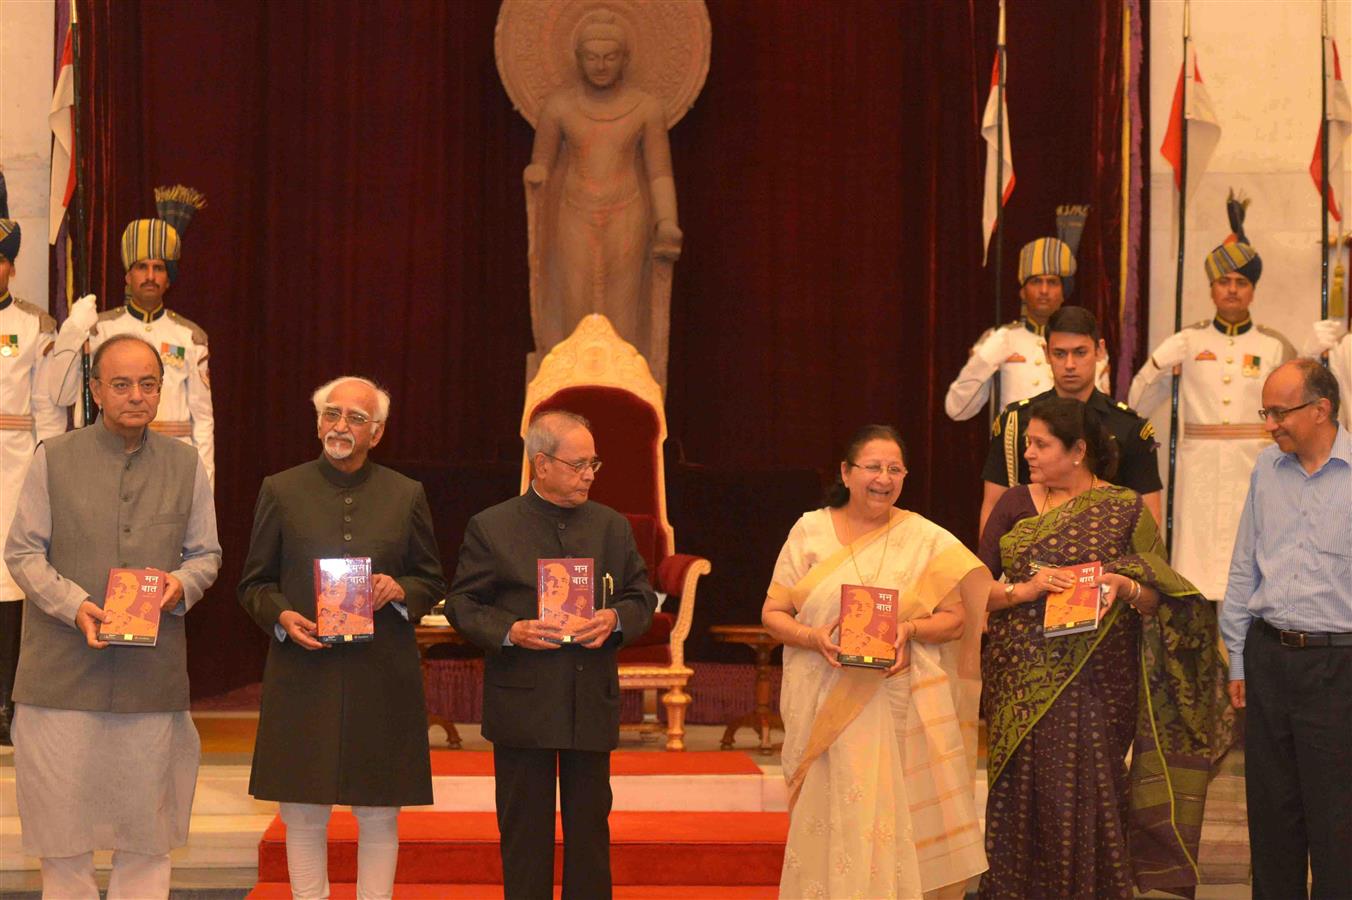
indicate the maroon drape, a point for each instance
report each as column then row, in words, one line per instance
column 365, row 213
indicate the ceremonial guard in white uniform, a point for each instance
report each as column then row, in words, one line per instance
column 1223, row 363
column 151, row 249
column 1017, row 351
column 26, row 416
column 1332, row 338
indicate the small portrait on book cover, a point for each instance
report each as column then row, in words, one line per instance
column 554, row 593
column 335, row 592
column 125, row 590
column 864, row 626
column 564, row 595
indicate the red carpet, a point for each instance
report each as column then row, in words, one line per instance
column 282, row 891
column 648, row 849
column 622, row 762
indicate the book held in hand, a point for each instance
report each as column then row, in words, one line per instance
column 344, row 610
column 868, row 626
column 1077, row 608
column 567, row 592
column 132, row 602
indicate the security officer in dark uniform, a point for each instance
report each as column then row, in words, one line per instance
column 1073, row 347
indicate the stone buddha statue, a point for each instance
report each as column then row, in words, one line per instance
column 601, row 202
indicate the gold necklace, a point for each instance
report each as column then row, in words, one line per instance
column 849, row 533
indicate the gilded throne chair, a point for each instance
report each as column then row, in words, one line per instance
column 596, row 374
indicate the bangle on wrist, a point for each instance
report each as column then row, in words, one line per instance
column 1009, row 594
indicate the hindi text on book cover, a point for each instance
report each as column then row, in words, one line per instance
column 868, row 626
column 343, row 606
column 132, row 602
column 567, row 592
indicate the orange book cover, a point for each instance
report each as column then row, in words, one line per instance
column 132, row 602
column 868, row 626
column 567, row 592
column 1078, row 607
column 343, row 606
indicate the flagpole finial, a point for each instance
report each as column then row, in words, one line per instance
column 1001, row 38
column 73, row 17
column 1187, row 19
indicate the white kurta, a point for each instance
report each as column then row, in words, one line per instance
column 98, row 780
column 26, row 415
column 185, row 398
column 1017, row 352
column 1223, row 370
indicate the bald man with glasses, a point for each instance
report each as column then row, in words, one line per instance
column 115, row 495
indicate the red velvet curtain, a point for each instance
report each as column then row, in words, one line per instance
column 362, row 166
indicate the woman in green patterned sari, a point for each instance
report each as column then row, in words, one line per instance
column 1064, row 817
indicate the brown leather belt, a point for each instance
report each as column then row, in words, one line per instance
column 1302, row 639
column 15, row 423
column 1247, row 432
column 173, row 428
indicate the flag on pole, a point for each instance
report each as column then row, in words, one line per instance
column 995, row 119
column 1204, row 130
column 61, row 118
column 1339, row 125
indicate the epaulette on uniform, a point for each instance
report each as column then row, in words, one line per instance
column 45, row 320
column 1017, row 323
column 1147, row 427
column 1205, row 323
column 1288, row 351
column 1011, row 408
column 107, row 316
column 199, row 335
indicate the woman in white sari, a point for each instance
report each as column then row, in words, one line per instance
column 879, row 763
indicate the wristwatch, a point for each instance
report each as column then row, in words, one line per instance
column 1009, row 593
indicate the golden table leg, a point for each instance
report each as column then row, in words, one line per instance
column 764, row 718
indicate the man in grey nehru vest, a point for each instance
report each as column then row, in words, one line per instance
column 105, row 754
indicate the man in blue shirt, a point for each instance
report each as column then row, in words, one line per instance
column 1287, row 622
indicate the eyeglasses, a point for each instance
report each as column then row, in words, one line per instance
column 580, row 466
column 122, row 386
column 332, row 414
column 876, row 469
column 1278, row 414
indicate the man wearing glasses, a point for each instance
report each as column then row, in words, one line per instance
column 342, row 723
column 151, row 250
column 551, row 707
column 113, row 495
column 1287, row 622
column 1221, row 362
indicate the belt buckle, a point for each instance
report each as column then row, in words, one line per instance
column 1293, row 639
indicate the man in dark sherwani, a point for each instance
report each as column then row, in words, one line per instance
column 342, row 723
column 549, row 706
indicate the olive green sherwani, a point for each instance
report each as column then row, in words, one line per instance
column 344, row 724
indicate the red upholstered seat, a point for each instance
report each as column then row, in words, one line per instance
column 599, row 376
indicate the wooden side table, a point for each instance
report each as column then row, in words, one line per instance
column 764, row 718
column 428, row 636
